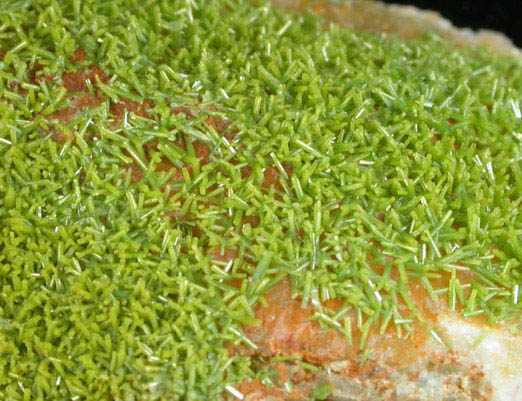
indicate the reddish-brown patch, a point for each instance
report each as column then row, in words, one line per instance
column 282, row 372
column 136, row 172
column 256, row 391
column 152, row 145
column 18, row 88
column 59, row 137
column 173, row 214
column 288, row 167
column 287, row 330
column 252, row 220
column 45, row 78
column 77, row 103
column 218, row 124
column 380, row 216
column 246, row 172
column 271, row 175
column 36, row 69
column 78, row 56
column 230, row 134
column 202, row 152
column 165, row 166
column 236, row 283
column 118, row 109
column 183, row 110
column 226, row 256
column 77, row 81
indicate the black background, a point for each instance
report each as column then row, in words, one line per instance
column 504, row 16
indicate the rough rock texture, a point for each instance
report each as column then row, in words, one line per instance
column 463, row 360
column 444, row 380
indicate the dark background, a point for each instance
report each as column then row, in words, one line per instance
column 503, row 16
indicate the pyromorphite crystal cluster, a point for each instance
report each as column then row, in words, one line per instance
column 163, row 164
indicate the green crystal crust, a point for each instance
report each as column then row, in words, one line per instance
column 141, row 142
